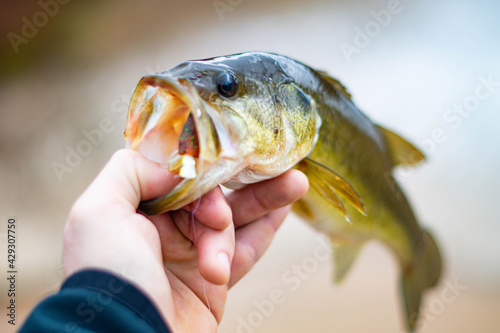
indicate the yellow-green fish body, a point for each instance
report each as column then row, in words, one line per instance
column 365, row 154
column 248, row 117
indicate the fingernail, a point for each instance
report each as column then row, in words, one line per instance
column 224, row 259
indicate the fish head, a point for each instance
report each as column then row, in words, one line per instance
column 237, row 118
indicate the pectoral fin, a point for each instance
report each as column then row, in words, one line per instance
column 401, row 151
column 302, row 208
column 329, row 194
column 328, row 184
column 344, row 255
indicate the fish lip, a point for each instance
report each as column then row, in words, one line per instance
column 185, row 91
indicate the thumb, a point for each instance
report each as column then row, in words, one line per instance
column 129, row 178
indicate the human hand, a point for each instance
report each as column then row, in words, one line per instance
column 184, row 265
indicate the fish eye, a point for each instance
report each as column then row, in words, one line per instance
column 227, row 84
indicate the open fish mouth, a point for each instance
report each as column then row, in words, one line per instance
column 167, row 123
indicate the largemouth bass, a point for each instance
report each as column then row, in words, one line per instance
column 243, row 118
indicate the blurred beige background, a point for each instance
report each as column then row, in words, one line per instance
column 81, row 65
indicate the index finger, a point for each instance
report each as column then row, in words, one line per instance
column 256, row 200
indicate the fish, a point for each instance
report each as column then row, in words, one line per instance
column 244, row 118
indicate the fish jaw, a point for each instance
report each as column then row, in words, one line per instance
column 160, row 111
column 188, row 190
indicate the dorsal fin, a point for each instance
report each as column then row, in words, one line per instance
column 401, row 151
column 335, row 83
column 328, row 184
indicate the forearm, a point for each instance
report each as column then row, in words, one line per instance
column 97, row 301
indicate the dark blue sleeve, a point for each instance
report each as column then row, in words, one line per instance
column 95, row 301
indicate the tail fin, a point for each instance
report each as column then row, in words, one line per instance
column 424, row 274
